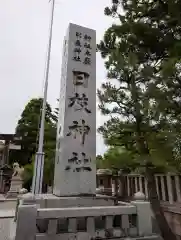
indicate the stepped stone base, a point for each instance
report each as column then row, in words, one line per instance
column 16, row 185
column 2, row 198
column 147, row 238
column 52, row 201
column 12, row 194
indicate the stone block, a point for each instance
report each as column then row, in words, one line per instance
column 144, row 215
column 26, row 222
column 52, row 201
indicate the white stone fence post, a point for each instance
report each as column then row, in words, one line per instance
column 26, row 222
column 144, row 213
column 22, row 192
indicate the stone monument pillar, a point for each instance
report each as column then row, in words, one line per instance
column 75, row 169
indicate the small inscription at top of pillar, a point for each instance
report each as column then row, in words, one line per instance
column 82, row 44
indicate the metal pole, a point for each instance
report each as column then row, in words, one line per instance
column 39, row 157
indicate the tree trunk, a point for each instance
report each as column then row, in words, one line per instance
column 166, row 231
column 143, row 149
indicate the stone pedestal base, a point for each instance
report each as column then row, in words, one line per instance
column 52, row 201
column 11, row 194
column 2, row 198
column 16, row 185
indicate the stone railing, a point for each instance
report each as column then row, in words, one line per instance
column 169, row 193
column 110, row 222
column 168, row 186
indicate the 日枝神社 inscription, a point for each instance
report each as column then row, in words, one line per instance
column 81, row 101
column 75, row 170
column 80, row 78
column 78, row 162
column 76, row 128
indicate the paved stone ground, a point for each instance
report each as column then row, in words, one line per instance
column 6, row 224
column 5, row 228
column 7, row 213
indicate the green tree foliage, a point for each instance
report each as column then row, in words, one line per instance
column 28, row 175
column 48, row 171
column 56, row 112
column 142, row 92
column 28, row 129
column 117, row 158
column 99, row 160
column 160, row 144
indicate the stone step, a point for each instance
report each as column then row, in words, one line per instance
column 155, row 237
column 12, row 237
column 139, row 238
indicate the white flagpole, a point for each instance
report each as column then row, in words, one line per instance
column 39, row 157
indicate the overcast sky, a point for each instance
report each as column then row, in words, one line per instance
column 24, row 28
